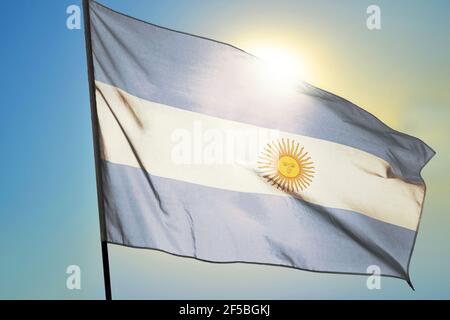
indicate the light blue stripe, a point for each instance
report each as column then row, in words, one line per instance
column 209, row 77
column 224, row 226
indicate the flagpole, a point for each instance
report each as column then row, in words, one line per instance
column 95, row 134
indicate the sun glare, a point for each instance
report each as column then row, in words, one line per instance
column 281, row 64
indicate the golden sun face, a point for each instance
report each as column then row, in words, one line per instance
column 286, row 165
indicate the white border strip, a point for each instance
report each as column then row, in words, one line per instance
column 345, row 178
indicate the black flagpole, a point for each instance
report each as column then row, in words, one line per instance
column 95, row 133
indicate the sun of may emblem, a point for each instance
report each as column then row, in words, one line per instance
column 286, row 164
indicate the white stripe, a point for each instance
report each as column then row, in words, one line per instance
column 345, row 178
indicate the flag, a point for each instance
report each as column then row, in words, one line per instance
column 207, row 153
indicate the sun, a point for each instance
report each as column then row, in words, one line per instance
column 286, row 165
column 280, row 64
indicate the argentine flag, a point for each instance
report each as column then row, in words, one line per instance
column 206, row 153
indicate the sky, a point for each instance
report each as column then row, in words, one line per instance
column 48, row 204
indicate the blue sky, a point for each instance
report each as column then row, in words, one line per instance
column 48, row 208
